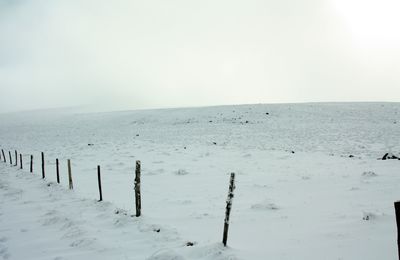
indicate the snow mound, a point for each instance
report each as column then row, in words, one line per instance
column 214, row 251
column 166, row 254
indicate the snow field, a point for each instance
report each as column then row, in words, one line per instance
column 308, row 182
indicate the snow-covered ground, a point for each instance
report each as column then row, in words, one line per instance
column 309, row 184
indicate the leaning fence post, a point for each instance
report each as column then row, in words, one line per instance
column 228, row 207
column 397, row 210
column 20, row 161
column 99, row 181
column 16, row 158
column 9, row 153
column 4, row 157
column 31, row 163
column 137, row 190
column 71, row 185
column 43, row 174
column 58, row 171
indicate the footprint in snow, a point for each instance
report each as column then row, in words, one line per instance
column 264, row 206
column 369, row 174
column 158, row 162
column 3, row 249
column 261, row 186
column 84, row 242
column 181, row 172
column 4, row 253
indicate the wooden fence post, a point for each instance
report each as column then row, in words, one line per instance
column 16, row 158
column 9, row 153
column 58, row 171
column 43, row 174
column 228, row 208
column 31, row 163
column 138, row 201
column 99, row 181
column 20, row 161
column 4, row 157
column 397, row 210
column 71, row 185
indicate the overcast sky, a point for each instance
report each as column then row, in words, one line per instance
column 143, row 54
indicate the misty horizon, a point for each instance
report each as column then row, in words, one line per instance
column 144, row 55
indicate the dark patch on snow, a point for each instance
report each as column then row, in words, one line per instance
column 369, row 216
column 120, row 211
column 190, row 243
column 264, row 206
column 181, row 172
column 369, row 174
column 390, row 156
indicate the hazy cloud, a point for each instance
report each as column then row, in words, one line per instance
column 136, row 54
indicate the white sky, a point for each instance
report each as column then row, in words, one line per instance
column 141, row 54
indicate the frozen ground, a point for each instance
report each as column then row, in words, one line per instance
column 309, row 183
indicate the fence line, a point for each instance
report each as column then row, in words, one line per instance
column 137, row 185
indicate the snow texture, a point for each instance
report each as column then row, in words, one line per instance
column 310, row 183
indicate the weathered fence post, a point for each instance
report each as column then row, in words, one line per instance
column 16, row 158
column 31, row 163
column 9, row 153
column 99, row 181
column 20, row 161
column 138, row 201
column 228, row 207
column 43, row 174
column 397, row 210
column 4, row 157
column 71, row 185
column 58, row 171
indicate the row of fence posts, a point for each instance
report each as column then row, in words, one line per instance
column 138, row 201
